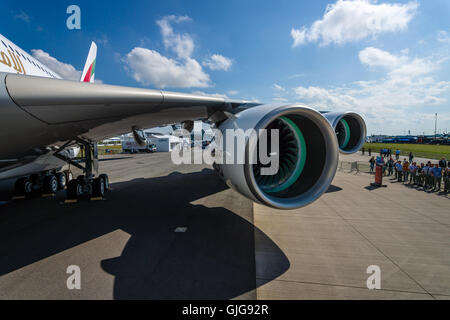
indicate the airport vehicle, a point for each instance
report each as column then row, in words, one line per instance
column 130, row 145
column 149, row 148
column 42, row 115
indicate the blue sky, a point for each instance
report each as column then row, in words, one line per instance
column 387, row 60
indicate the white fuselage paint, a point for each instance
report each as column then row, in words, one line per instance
column 15, row 60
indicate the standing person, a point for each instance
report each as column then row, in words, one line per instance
column 426, row 176
column 399, row 169
column 390, row 165
column 363, row 150
column 397, row 154
column 370, row 152
column 411, row 157
column 383, row 164
column 443, row 163
column 405, row 170
column 447, row 178
column 372, row 164
column 420, row 175
column 412, row 173
column 437, row 177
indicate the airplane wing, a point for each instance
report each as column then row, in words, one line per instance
column 40, row 112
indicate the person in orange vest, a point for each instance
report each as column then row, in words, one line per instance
column 405, row 170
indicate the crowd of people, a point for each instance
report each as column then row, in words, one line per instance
column 388, row 153
column 429, row 176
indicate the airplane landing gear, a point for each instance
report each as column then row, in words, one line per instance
column 47, row 182
column 87, row 185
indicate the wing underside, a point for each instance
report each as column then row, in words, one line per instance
column 41, row 111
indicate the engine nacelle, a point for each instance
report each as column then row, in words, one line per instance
column 308, row 156
column 350, row 130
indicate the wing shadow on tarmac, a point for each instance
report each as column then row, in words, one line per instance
column 213, row 259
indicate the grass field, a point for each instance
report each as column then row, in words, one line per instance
column 418, row 150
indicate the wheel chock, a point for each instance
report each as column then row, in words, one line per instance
column 70, row 201
column 97, row 199
column 48, row 195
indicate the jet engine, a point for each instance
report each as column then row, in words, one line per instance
column 350, row 130
column 307, row 155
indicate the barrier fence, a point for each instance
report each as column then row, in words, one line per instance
column 354, row 167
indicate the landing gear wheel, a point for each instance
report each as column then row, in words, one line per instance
column 106, row 181
column 62, row 180
column 50, row 184
column 74, row 190
column 69, row 175
column 98, row 187
column 23, row 187
column 81, row 179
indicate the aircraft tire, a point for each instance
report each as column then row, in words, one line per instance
column 69, row 175
column 74, row 189
column 23, row 187
column 98, row 187
column 106, row 181
column 50, row 184
column 62, row 180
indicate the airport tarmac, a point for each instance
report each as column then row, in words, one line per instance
column 177, row 232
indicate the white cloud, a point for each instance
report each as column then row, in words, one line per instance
column 297, row 75
column 22, row 16
column 443, row 36
column 233, row 92
column 278, row 87
column 299, row 36
column 102, row 39
column 378, row 58
column 181, row 44
column 398, row 65
column 65, row 70
column 218, row 62
column 392, row 102
column 148, row 67
column 354, row 20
